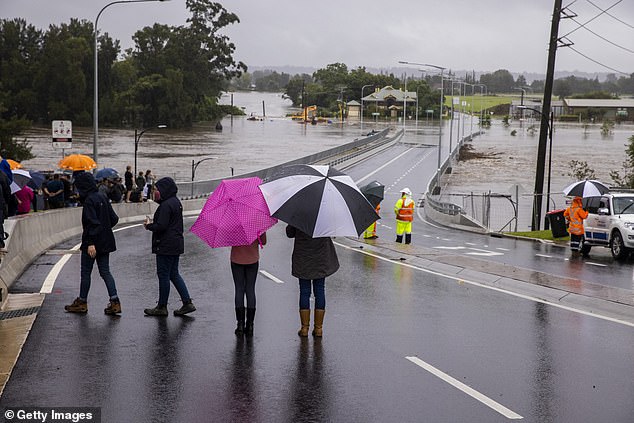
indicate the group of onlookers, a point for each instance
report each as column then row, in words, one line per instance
column 58, row 191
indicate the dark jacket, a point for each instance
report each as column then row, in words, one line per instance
column 167, row 225
column 5, row 195
column 313, row 258
column 97, row 217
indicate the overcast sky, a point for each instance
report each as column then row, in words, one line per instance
column 482, row 35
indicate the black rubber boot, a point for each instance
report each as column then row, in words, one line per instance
column 248, row 328
column 408, row 238
column 240, row 318
column 399, row 238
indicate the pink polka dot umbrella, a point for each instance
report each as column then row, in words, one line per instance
column 234, row 214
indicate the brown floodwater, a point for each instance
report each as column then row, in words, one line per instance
column 511, row 161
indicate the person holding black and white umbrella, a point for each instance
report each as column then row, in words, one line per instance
column 313, row 260
column 318, row 202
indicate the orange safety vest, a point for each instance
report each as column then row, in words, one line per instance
column 405, row 211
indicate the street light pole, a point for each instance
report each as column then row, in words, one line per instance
column 481, row 100
column 195, row 165
column 137, row 138
column 442, row 92
column 362, row 88
column 95, row 114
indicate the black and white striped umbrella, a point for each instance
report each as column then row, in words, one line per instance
column 318, row 200
column 587, row 188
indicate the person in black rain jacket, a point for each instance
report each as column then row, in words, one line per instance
column 97, row 242
column 168, row 244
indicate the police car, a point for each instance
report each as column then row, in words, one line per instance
column 610, row 223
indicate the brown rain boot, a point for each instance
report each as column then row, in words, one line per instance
column 319, row 323
column 78, row 306
column 304, row 316
column 113, row 307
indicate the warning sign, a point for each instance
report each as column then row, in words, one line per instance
column 62, row 134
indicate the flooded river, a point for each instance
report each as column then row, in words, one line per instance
column 511, row 161
column 247, row 146
column 242, row 145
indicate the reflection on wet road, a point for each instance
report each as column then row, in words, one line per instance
column 516, row 355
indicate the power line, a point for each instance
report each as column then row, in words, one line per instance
column 610, row 15
column 600, row 36
column 597, row 62
column 590, row 20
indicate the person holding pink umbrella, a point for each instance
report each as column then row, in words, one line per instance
column 245, row 261
column 237, row 216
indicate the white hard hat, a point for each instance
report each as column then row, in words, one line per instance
column 406, row 191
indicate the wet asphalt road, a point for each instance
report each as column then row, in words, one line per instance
column 536, row 361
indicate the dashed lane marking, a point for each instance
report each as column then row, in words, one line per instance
column 271, row 277
column 382, row 167
column 496, row 406
column 543, row 255
column 591, row 263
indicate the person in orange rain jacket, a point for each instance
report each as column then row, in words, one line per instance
column 575, row 215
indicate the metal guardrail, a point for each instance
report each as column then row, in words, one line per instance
column 198, row 189
column 434, row 183
column 445, row 208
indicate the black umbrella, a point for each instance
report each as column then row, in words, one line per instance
column 586, row 188
column 374, row 192
column 318, row 200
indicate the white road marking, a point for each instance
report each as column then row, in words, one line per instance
column 51, row 277
column 492, row 288
column 543, row 255
column 49, row 281
column 485, row 253
column 596, row 264
column 502, row 249
column 271, row 277
column 442, row 247
column 470, row 243
column 382, row 167
column 509, row 414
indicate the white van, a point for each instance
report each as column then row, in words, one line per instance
column 610, row 223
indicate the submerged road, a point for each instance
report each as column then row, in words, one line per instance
column 402, row 342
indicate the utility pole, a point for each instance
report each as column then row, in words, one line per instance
column 543, row 130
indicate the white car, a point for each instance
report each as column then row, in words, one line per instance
column 610, row 223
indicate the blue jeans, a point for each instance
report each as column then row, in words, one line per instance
column 167, row 270
column 319, row 290
column 103, row 264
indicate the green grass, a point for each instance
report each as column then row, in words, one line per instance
column 547, row 235
column 484, row 101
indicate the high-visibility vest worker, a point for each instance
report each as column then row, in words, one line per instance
column 404, row 211
column 575, row 215
column 370, row 233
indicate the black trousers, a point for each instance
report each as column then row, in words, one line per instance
column 244, row 276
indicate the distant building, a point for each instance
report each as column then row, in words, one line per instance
column 390, row 99
column 354, row 109
column 602, row 108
